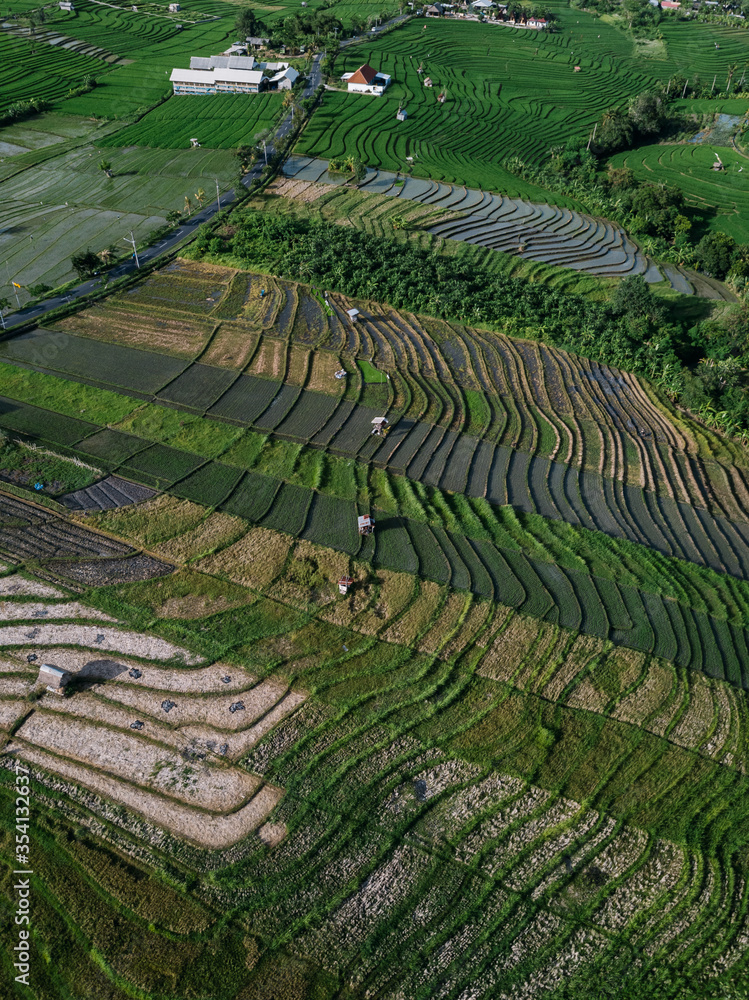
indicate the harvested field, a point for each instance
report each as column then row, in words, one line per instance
column 194, row 709
column 113, row 322
column 254, row 561
column 11, row 712
column 140, row 761
column 135, row 673
column 16, row 585
column 102, row 637
column 201, row 828
column 101, row 572
column 31, row 610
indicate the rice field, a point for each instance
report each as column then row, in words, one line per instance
column 513, row 753
column 521, row 99
column 67, row 204
column 221, row 121
column 721, row 196
column 485, row 763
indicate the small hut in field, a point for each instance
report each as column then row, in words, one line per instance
column 54, row 678
column 366, row 524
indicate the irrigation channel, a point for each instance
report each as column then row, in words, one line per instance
column 542, row 233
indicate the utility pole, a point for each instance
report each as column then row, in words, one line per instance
column 595, row 129
column 684, row 91
column 135, row 249
column 218, row 194
column 713, row 86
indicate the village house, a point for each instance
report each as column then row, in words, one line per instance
column 537, row 22
column 366, row 80
column 434, row 10
column 284, row 79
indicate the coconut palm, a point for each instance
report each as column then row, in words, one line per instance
column 106, row 166
column 289, row 103
column 188, row 205
column 200, row 197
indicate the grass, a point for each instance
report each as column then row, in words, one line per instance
column 370, row 373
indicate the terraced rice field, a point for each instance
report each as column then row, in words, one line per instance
column 522, row 98
column 555, row 236
column 39, row 71
column 502, row 424
column 520, row 801
column 723, row 196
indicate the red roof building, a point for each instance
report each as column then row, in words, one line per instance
column 365, row 74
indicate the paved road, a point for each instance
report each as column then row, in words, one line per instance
column 187, row 228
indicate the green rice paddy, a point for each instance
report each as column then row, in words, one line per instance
column 721, row 198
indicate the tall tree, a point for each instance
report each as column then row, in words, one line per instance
column 248, row 23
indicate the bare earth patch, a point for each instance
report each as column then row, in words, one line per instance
column 203, row 829
column 21, row 610
column 137, row 759
column 147, row 647
column 16, row 586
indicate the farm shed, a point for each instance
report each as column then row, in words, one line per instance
column 53, row 677
column 366, row 80
column 255, row 42
column 66, row 5
column 401, row 114
column 173, row 8
column 482, row 4
column 434, row 10
column 537, row 22
column 365, row 524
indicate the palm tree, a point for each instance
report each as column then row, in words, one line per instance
column 290, row 104
column 188, row 205
column 731, row 70
column 200, row 197
column 106, row 166
column 105, row 255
